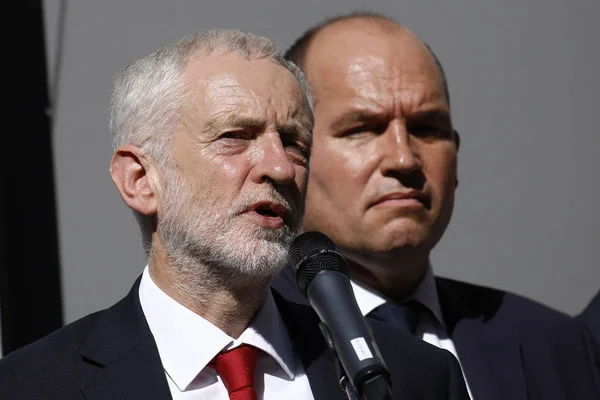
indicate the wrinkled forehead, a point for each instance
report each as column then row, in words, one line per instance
column 390, row 74
column 229, row 84
column 372, row 62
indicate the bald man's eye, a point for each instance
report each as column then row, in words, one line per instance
column 363, row 130
column 430, row 131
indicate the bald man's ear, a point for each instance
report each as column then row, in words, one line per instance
column 457, row 139
column 135, row 178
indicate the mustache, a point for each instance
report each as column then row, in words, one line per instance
column 268, row 194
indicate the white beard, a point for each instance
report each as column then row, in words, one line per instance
column 203, row 244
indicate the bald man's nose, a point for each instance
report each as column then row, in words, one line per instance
column 399, row 155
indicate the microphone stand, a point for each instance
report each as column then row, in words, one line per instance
column 376, row 387
column 344, row 381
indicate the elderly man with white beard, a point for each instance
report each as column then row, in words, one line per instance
column 212, row 138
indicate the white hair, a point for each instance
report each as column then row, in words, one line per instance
column 149, row 97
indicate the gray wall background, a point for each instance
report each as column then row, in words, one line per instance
column 524, row 84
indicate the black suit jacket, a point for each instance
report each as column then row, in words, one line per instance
column 510, row 348
column 112, row 355
column 591, row 316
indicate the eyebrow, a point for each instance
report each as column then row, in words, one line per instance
column 356, row 116
column 437, row 116
column 297, row 130
column 219, row 121
column 434, row 115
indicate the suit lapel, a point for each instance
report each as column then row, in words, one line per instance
column 138, row 375
column 123, row 348
column 491, row 358
column 308, row 342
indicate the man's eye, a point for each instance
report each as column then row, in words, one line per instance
column 297, row 148
column 424, row 130
column 235, row 135
column 354, row 131
column 364, row 130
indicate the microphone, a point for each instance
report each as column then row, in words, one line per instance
column 321, row 274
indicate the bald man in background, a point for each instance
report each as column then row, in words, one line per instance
column 381, row 185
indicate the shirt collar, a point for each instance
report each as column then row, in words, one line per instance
column 187, row 342
column 425, row 293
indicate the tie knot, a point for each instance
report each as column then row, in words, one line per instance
column 236, row 369
column 404, row 316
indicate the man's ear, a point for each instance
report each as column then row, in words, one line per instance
column 135, row 178
column 457, row 139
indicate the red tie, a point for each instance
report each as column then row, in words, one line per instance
column 236, row 369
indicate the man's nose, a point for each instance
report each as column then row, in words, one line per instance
column 399, row 154
column 275, row 164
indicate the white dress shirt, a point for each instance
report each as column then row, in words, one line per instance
column 187, row 343
column 431, row 327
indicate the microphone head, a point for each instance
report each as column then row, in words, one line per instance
column 312, row 253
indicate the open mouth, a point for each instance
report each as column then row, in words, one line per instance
column 269, row 214
column 267, row 211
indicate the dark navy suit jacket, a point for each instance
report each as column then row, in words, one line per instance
column 112, row 355
column 591, row 316
column 510, row 348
